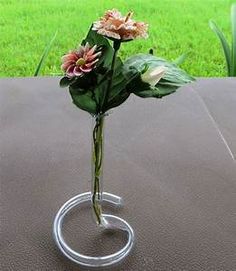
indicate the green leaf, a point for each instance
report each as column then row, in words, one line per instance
column 100, row 90
column 233, row 22
column 44, row 55
column 84, row 100
column 118, row 93
column 148, row 93
column 119, row 81
column 93, row 38
column 136, row 85
column 85, row 82
column 224, row 44
column 173, row 78
column 173, row 73
column 142, row 89
column 65, row 82
column 155, row 92
column 118, row 99
column 166, row 90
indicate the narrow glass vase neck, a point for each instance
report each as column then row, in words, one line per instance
column 97, row 166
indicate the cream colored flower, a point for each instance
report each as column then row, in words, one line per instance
column 153, row 75
column 115, row 26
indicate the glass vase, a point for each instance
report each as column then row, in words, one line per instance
column 96, row 198
column 97, row 167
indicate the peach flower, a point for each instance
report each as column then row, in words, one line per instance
column 80, row 61
column 114, row 26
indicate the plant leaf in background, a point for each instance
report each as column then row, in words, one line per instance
column 233, row 54
column 45, row 54
column 229, row 53
column 180, row 60
column 224, row 43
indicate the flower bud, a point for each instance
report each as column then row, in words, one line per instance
column 153, row 75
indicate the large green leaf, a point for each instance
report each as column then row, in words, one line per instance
column 224, row 43
column 93, row 38
column 66, row 81
column 84, row 100
column 166, row 90
column 100, row 91
column 155, row 92
column 117, row 93
column 144, row 90
column 173, row 78
column 119, row 81
column 233, row 22
column 173, row 73
column 117, row 100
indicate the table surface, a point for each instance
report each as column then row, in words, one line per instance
column 172, row 160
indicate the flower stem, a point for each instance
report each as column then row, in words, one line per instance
column 97, row 159
column 97, row 148
column 116, row 47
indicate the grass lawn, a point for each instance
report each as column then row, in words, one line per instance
column 176, row 27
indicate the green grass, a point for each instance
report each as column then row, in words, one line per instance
column 176, row 27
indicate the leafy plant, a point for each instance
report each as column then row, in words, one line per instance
column 229, row 52
column 44, row 55
column 89, row 91
column 99, row 80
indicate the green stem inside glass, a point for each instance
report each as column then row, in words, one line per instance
column 97, row 167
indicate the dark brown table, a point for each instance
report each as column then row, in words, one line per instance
column 172, row 160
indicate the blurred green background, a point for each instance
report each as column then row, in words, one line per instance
column 176, row 27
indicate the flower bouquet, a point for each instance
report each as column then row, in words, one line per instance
column 99, row 80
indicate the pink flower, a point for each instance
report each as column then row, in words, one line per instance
column 113, row 25
column 81, row 61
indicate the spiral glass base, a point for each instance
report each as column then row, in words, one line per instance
column 108, row 222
